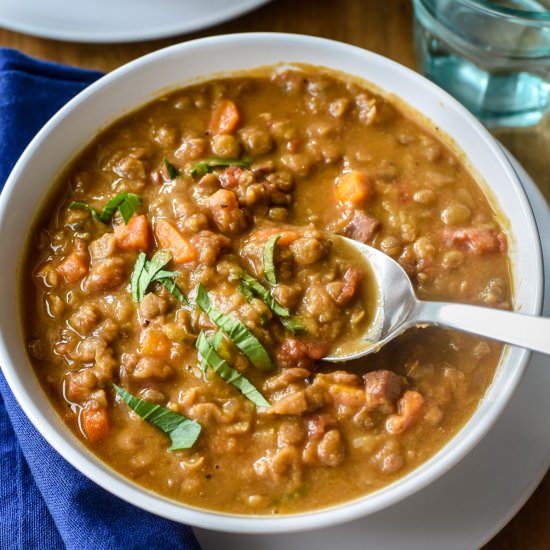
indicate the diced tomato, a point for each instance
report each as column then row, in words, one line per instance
column 319, row 424
column 230, row 177
column 352, row 278
column 478, row 240
column 295, row 352
column 410, row 408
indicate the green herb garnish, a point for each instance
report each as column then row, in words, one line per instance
column 239, row 334
column 246, row 292
column 269, row 259
column 126, row 203
column 212, row 359
column 182, row 431
column 254, row 286
column 174, row 289
column 217, row 340
column 137, row 275
column 206, row 166
column 173, row 172
column 292, row 324
column 147, row 272
column 250, row 286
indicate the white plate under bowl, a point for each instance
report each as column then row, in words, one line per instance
column 137, row 82
column 466, row 507
column 117, row 20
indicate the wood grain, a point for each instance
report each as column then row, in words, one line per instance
column 381, row 26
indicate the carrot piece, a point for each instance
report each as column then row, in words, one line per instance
column 155, row 343
column 134, row 235
column 73, row 267
column 225, row 118
column 287, row 236
column 94, row 423
column 170, row 238
column 353, row 187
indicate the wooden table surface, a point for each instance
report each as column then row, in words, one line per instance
column 381, row 26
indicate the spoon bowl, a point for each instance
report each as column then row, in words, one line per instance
column 398, row 309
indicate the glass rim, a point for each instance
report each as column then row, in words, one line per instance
column 489, row 7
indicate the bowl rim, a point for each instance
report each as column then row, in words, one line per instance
column 173, row 26
column 416, row 480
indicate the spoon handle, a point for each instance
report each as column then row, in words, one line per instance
column 521, row 330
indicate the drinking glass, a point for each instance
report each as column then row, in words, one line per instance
column 494, row 57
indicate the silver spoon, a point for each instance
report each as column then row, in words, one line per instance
column 398, row 309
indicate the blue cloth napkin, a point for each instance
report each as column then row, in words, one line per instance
column 44, row 502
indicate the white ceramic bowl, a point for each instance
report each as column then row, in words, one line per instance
column 134, row 84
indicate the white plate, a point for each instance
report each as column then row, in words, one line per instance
column 466, row 507
column 117, row 20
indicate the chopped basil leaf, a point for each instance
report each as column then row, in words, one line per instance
column 208, row 351
column 182, row 431
column 246, row 292
column 205, row 166
column 253, row 285
column 241, row 336
column 174, row 289
column 148, row 271
column 126, row 203
column 217, row 340
column 136, row 275
column 128, row 207
column 173, row 172
column 250, row 286
column 83, row 206
column 293, row 324
column 164, row 274
column 269, row 259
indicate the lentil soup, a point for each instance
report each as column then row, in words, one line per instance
column 183, row 288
